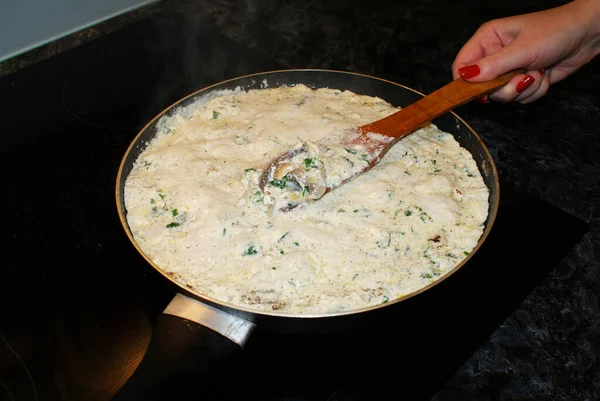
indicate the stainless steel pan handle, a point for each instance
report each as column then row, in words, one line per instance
column 191, row 341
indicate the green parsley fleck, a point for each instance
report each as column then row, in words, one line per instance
column 297, row 244
column 352, row 152
column 174, row 212
column 385, row 299
column 249, row 251
column 172, row 225
column 249, row 170
column 215, row 115
column 408, row 212
column 309, row 163
column 224, row 231
column 466, row 253
column 283, row 236
column 279, row 183
column 341, row 211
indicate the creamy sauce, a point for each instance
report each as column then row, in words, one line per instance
column 195, row 208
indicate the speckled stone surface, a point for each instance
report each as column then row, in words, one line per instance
column 549, row 349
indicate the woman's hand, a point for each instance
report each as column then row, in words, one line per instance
column 550, row 45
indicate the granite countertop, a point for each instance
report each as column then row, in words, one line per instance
column 549, row 349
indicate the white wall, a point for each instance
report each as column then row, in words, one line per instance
column 26, row 24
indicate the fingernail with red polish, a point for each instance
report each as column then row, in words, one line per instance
column 469, row 71
column 484, row 99
column 525, row 83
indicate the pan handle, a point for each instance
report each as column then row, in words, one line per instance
column 182, row 353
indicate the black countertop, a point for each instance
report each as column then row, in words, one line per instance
column 549, row 347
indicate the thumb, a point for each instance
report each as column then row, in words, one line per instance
column 506, row 59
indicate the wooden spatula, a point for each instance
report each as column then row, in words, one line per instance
column 388, row 131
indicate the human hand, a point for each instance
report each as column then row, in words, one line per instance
column 549, row 44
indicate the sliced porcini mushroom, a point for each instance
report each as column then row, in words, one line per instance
column 298, row 177
column 317, row 190
column 282, row 170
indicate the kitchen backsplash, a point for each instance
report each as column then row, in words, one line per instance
column 27, row 24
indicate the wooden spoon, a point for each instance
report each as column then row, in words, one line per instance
column 390, row 129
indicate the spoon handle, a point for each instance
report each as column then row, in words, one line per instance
column 443, row 100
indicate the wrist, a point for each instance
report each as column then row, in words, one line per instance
column 589, row 11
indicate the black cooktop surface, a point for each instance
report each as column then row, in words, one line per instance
column 78, row 304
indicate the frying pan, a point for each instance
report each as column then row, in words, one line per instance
column 200, row 331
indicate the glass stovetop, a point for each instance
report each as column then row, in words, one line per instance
column 78, row 303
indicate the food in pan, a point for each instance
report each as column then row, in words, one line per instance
column 195, row 208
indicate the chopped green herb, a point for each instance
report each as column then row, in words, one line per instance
column 341, row 211
column 281, row 252
column 355, row 276
column 273, row 268
column 297, row 244
column 154, row 209
column 309, row 163
column 152, row 201
column 437, row 170
column 305, row 190
column 257, row 197
column 279, row 183
column 426, row 275
column 385, row 299
column 356, row 211
column 466, row 253
column 224, row 231
column 215, row 115
column 248, row 170
column 408, row 212
column 162, row 196
column 352, row 152
column 174, row 212
column 249, row 251
column 173, row 224
column 283, row 236
column 450, row 255
column 365, row 157
column 407, row 172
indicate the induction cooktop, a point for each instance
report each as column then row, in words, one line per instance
column 79, row 305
